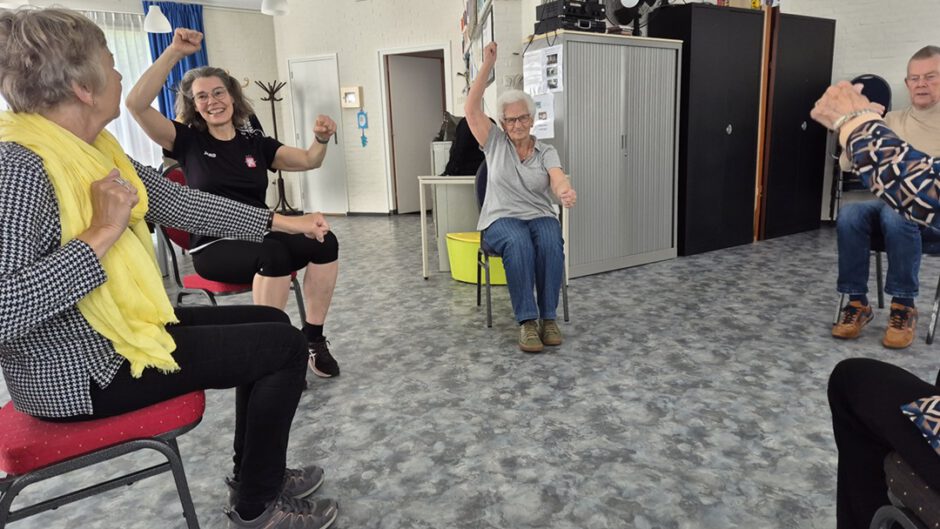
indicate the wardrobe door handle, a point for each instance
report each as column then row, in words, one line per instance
column 729, row 129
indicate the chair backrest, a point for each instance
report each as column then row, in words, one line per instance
column 875, row 88
column 479, row 184
column 175, row 173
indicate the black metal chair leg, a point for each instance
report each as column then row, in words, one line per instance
column 182, row 487
column 564, row 295
column 931, row 329
column 298, row 294
column 489, row 294
column 835, row 319
column 479, row 266
column 880, row 281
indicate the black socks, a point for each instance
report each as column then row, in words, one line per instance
column 859, row 297
column 314, row 333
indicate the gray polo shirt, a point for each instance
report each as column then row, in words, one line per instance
column 517, row 189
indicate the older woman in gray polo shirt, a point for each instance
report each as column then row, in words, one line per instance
column 525, row 179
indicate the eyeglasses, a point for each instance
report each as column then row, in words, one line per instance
column 218, row 93
column 522, row 120
column 930, row 78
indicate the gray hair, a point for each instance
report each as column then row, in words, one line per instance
column 186, row 108
column 43, row 52
column 927, row 52
column 514, row 96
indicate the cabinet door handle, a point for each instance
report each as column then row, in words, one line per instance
column 623, row 144
column 803, row 126
column 729, row 129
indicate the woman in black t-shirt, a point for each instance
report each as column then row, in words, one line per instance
column 220, row 153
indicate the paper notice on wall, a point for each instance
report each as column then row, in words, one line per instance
column 543, row 126
column 543, row 71
column 553, row 65
column 533, row 82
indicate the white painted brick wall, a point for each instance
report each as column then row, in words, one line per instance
column 876, row 36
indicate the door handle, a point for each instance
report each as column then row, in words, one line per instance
column 729, row 129
column 803, row 126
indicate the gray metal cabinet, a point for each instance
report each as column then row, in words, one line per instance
column 616, row 124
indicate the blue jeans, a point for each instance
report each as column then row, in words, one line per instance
column 534, row 257
column 856, row 225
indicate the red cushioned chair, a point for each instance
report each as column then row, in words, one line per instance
column 32, row 450
column 195, row 283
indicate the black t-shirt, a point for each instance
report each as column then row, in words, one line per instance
column 235, row 169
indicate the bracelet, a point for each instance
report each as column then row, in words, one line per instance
column 851, row 115
column 321, row 142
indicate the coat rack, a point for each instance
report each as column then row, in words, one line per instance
column 271, row 89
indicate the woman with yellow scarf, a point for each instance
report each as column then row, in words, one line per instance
column 86, row 328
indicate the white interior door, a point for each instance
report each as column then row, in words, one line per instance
column 416, row 102
column 314, row 87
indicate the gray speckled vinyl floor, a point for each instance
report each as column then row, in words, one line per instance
column 688, row 394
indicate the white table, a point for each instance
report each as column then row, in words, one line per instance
column 422, row 211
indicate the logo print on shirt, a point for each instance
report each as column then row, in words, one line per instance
column 250, row 161
column 209, row 154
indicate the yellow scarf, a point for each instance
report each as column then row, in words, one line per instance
column 131, row 308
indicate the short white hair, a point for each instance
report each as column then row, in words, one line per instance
column 514, row 96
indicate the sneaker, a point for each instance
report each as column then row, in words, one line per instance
column 550, row 333
column 321, row 362
column 901, row 324
column 529, row 340
column 289, row 513
column 855, row 317
column 298, row 483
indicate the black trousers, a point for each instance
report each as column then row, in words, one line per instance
column 278, row 255
column 865, row 397
column 251, row 348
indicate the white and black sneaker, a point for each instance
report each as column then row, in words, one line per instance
column 321, row 362
column 289, row 513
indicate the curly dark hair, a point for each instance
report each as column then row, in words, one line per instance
column 186, row 107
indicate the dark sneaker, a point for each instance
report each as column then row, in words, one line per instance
column 321, row 362
column 298, row 483
column 289, row 513
column 550, row 333
column 901, row 325
column 529, row 340
column 855, row 317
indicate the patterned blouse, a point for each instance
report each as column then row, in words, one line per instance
column 49, row 354
column 907, row 179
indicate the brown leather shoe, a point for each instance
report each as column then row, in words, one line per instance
column 901, row 325
column 550, row 333
column 855, row 317
column 529, row 340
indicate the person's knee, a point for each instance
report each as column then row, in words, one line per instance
column 263, row 313
column 845, row 374
column 850, row 218
column 329, row 249
column 275, row 261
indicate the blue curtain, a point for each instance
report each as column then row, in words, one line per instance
column 180, row 16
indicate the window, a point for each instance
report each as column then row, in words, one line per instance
column 128, row 42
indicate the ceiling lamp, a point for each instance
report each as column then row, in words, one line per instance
column 274, row 7
column 156, row 21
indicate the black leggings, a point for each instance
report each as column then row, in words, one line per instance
column 865, row 397
column 251, row 348
column 280, row 254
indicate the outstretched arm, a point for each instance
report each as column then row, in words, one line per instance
column 295, row 159
column 156, row 125
column 473, row 108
